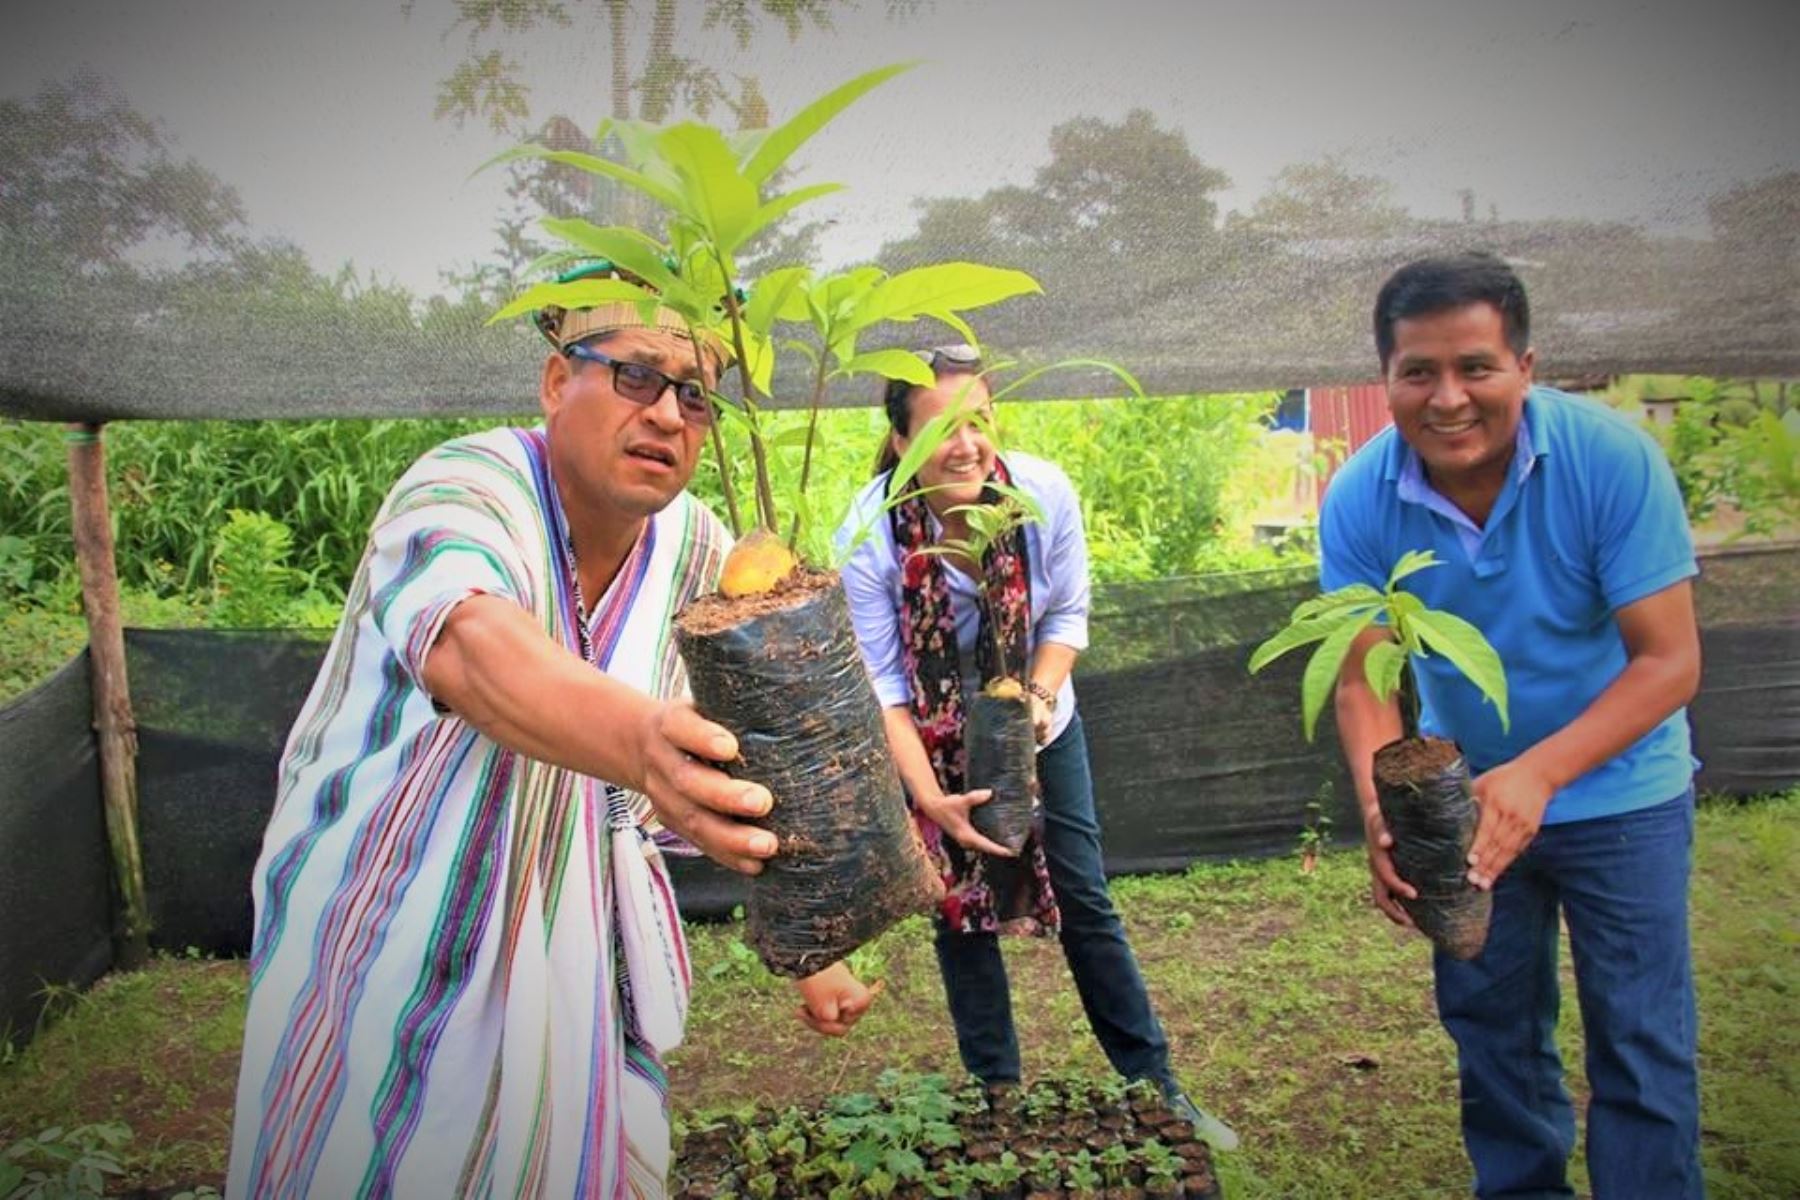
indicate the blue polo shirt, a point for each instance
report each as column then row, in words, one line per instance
column 1588, row 521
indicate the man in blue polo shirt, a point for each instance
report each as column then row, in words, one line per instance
column 1562, row 537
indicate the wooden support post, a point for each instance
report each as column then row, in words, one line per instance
column 113, row 722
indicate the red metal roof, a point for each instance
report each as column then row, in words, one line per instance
column 1348, row 416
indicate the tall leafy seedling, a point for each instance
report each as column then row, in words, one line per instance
column 711, row 187
column 999, row 736
column 1335, row 619
column 1421, row 784
column 773, row 656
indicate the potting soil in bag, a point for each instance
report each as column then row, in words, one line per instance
column 1002, row 750
column 782, row 673
column 1422, row 786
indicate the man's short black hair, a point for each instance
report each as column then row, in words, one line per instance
column 1434, row 285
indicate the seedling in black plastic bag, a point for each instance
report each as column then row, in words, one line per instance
column 1421, row 784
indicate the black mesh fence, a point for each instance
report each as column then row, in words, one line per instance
column 1747, row 717
column 1193, row 758
column 213, row 711
column 55, row 902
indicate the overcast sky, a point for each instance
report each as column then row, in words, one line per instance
column 320, row 113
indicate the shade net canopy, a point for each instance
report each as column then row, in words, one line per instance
column 229, row 210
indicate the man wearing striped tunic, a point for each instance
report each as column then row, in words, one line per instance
column 467, row 960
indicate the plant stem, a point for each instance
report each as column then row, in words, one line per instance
column 731, row 504
column 812, row 432
column 1409, row 707
column 718, row 447
column 765, row 495
column 993, row 625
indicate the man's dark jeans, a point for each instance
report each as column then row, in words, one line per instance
column 1106, row 972
column 1621, row 883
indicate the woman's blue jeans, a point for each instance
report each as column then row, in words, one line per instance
column 1621, row 882
column 1093, row 940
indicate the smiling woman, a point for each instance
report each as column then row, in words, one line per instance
column 954, row 609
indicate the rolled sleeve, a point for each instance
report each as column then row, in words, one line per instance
column 436, row 544
column 871, row 579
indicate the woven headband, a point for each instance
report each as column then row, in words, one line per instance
column 563, row 327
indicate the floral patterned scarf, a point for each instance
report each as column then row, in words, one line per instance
column 983, row 894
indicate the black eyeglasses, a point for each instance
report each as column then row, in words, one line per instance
column 643, row 384
column 962, row 356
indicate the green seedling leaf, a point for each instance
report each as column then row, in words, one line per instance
column 837, row 296
column 1305, row 632
column 1317, row 685
column 778, row 296
column 866, row 526
column 579, row 293
column 940, row 288
column 1464, row 645
column 593, row 164
column 1012, row 493
column 782, row 141
column 1410, row 563
column 1349, row 596
column 627, row 248
column 924, row 444
column 553, row 261
column 714, row 195
column 1382, row 667
column 1068, row 364
column 865, row 1155
column 759, row 356
column 963, row 330
column 903, row 1164
column 638, row 140
column 1402, row 607
column 893, row 364
column 767, row 214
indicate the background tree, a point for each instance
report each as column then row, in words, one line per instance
column 652, row 84
column 1122, row 211
column 86, row 179
column 1325, row 199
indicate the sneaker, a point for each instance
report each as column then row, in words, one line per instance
column 1207, row 1127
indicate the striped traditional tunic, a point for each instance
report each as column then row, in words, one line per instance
column 467, row 963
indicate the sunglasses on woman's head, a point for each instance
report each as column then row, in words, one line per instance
column 962, row 356
column 644, row 384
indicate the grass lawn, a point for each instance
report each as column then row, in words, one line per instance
column 1295, row 1011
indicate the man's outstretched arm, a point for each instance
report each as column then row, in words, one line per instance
column 493, row 666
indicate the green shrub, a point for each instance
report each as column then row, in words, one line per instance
column 1730, row 443
column 253, row 585
column 1154, row 477
column 174, row 484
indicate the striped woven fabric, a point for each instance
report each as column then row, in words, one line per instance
column 439, row 1004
